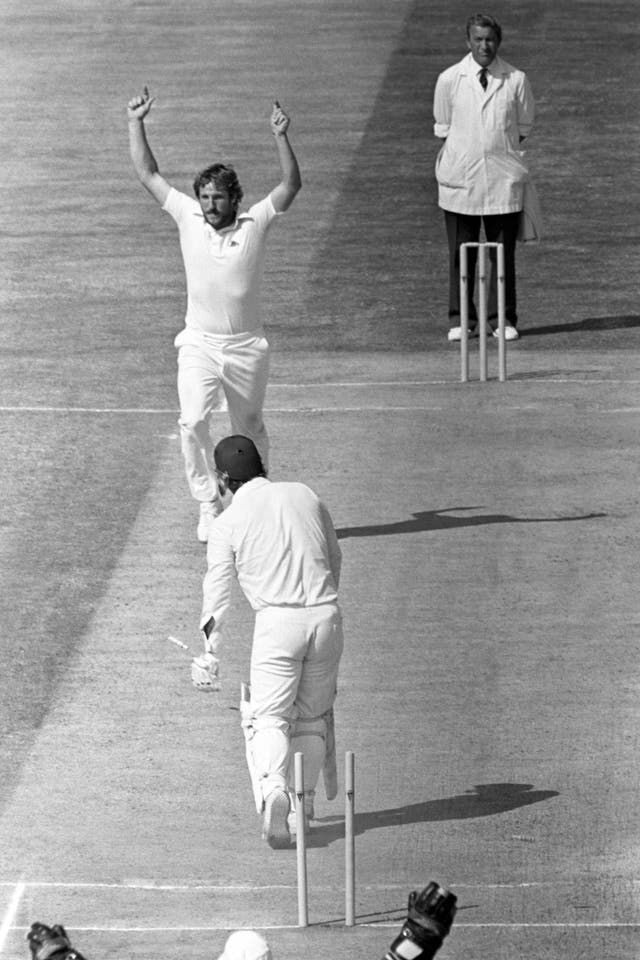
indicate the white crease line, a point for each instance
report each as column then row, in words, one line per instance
column 160, row 412
column 9, row 917
column 560, row 924
column 518, row 378
column 382, row 408
column 115, row 410
column 518, row 925
column 248, row 887
column 147, row 885
column 276, row 385
column 597, row 924
column 298, row 411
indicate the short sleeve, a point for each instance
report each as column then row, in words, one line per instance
column 178, row 205
column 263, row 212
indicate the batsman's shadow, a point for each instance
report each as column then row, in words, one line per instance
column 440, row 520
column 483, row 800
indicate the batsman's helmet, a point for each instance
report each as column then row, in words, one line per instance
column 238, row 457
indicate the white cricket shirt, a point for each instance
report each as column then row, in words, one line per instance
column 280, row 542
column 223, row 268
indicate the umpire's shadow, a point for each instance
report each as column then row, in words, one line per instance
column 484, row 800
column 440, row 520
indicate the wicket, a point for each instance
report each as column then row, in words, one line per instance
column 301, row 842
column 349, row 838
column 349, row 841
column 483, row 296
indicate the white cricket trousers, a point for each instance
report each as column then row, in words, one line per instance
column 294, row 673
column 214, row 371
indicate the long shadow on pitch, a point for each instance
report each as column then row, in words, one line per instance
column 438, row 520
column 483, row 800
column 624, row 322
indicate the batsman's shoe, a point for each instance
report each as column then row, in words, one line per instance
column 510, row 333
column 209, row 510
column 455, row 334
column 275, row 826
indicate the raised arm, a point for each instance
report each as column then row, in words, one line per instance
column 283, row 195
column 144, row 161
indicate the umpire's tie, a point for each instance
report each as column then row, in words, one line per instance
column 482, row 77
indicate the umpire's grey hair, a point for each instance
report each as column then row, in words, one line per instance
column 484, row 20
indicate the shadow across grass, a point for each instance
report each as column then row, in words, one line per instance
column 438, row 520
column 483, row 800
column 625, row 322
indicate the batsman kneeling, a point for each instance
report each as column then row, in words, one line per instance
column 279, row 541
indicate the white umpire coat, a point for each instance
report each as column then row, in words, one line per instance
column 480, row 168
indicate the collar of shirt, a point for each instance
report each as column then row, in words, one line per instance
column 219, row 240
column 495, row 68
column 248, row 487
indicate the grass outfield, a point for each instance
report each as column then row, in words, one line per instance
column 489, row 685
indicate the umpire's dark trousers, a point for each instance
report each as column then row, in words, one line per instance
column 498, row 228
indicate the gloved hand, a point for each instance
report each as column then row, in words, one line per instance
column 51, row 943
column 429, row 918
column 205, row 673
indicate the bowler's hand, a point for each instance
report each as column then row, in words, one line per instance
column 138, row 107
column 279, row 120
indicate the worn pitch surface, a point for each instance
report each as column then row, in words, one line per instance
column 490, row 681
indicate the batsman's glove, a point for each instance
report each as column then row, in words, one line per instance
column 429, row 918
column 205, row 673
column 51, row 943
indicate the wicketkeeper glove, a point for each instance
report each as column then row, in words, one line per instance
column 205, row 673
column 429, row 918
column 51, row 943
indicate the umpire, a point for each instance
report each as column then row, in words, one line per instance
column 278, row 539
